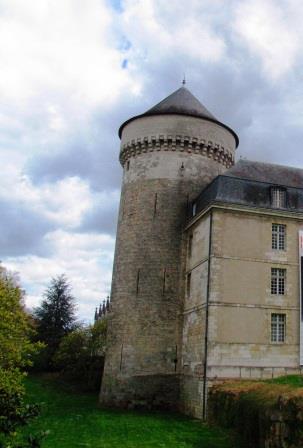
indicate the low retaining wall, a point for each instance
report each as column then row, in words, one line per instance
column 264, row 415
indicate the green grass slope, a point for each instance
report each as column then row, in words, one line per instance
column 75, row 420
column 294, row 381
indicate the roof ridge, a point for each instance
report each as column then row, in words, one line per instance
column 267, row 172
column 260, row 162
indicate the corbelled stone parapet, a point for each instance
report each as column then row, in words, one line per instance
column 181, row 143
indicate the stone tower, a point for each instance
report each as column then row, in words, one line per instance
column 168, row 155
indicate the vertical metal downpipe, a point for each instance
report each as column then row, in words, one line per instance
column 206, row 316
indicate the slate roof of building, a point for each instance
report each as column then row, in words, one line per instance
column 267, row 172
column 249, row 183
column 181, row 102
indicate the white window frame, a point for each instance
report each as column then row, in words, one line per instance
column 278, row 328
column 278, row 236
column 278, row 281
column 278, row 197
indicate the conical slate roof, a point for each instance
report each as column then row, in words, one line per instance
column 181, row 102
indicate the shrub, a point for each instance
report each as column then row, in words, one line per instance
column 16, row 352
column 80, row 356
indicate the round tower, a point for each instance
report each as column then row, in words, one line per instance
column 168, row 154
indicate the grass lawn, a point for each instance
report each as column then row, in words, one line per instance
column 290, row 380
column 74, row 420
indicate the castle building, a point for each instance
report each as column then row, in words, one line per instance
column 206, row 279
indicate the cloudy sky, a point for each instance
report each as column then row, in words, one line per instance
column 71, row 71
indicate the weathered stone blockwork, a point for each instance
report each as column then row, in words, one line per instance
column 143, row 362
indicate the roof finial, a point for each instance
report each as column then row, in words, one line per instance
column 184, row 80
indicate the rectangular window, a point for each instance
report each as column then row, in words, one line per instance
column 278, row 277
column 190, row 244
column 278, row 197
column 278, row 327
column 188, row 284
column 278, row 236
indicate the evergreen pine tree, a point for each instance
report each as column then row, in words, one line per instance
column 55, row 317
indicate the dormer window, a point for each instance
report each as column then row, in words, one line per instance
column 278, row 197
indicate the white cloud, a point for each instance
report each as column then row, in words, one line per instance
column 65, row 47
column 270, row 31
column 59, row 63
column 158, row 30
column 63, row 202
column 86, row 259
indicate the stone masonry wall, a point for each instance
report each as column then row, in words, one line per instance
column 194, row 319
column 143, row 362
column 241, row 303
